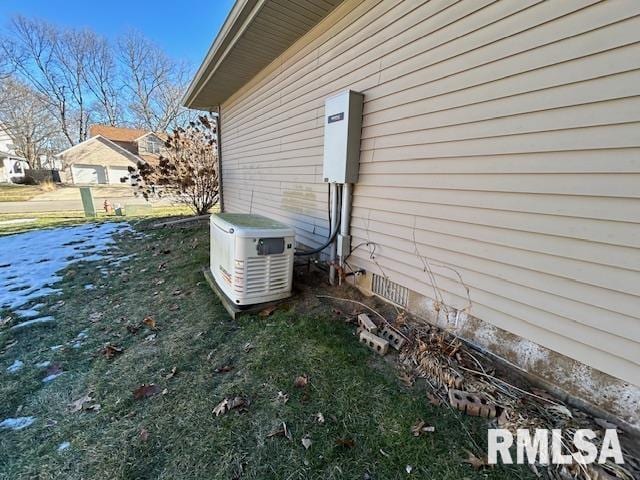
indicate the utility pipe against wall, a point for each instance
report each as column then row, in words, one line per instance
column 344, row 240
column 335, row 195
column 219, row 154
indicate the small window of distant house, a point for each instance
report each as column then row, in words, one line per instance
column 153, row 145
column 17, row 168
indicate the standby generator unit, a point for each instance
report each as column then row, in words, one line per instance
column 251, row 258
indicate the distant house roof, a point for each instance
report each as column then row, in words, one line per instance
column 160, row 135
column 255, row 33
column 117, row 134
column 109, row 143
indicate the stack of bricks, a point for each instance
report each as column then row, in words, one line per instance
column 367, row 331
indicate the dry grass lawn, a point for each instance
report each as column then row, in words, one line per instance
column 196, row 357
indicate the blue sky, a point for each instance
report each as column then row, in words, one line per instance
column 183, row 28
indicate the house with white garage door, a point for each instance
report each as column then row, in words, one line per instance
column 105, row 157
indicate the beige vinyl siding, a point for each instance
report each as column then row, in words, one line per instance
column 500, row 150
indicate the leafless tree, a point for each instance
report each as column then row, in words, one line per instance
column 155, row 83
column 102, row 79
column 25, row 116
column 188, row 168
column 84, row 79
column 34, row 49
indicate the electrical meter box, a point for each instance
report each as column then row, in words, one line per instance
column 342, row 127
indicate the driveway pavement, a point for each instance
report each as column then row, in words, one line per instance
column 66, row 199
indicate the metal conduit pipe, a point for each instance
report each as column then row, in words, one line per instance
column 335, row 217
column 344, row 238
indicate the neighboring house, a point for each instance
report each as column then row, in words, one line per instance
column 500, row 153
column 106, row 156
column 12, row 166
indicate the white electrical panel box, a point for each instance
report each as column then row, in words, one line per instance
column 342, row 127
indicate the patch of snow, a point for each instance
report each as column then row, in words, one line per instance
column 63, row 446
column 28, row 273
column 18, row 221
column 30, row 312
column 17, row 423
column 35, row 321
column 51, row 378
column 15, row 367
column 44, row 364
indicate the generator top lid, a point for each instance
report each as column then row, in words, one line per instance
column 250, row 224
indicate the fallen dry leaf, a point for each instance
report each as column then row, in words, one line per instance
column 282, row 397
column 54, row 369
column 221, row 408
column 345, row 442
column 110, row 351
column 174, row 307
column 227, row 404
column 146, row 391
column 306, row 442
column 133, row 329
column 283, row 431
column 476, row 462
column 434, row 400
column 406, row 379
column 301, row 381
column 77, row 405
column 144, row 434
column 267, row 311
column 223, row 369
column 150, row 322
column 172, row 373
column 420, row 427
column 247, row 347
column 239, row 402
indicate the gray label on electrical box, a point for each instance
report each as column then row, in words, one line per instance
column 336, row 117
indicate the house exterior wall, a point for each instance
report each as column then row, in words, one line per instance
column 500, row 150
column 6, row 143
column 93, row 153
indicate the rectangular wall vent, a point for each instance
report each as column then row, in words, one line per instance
column 390, row 290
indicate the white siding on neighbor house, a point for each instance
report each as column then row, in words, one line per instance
column 501, row 141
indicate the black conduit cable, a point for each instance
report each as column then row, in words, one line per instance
column 329, row 240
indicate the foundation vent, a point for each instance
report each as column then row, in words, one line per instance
column 390, row 290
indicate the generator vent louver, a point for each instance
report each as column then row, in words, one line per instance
column 266, row 274
column 393, row 292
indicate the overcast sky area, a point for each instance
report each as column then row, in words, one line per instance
column 183, row 28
